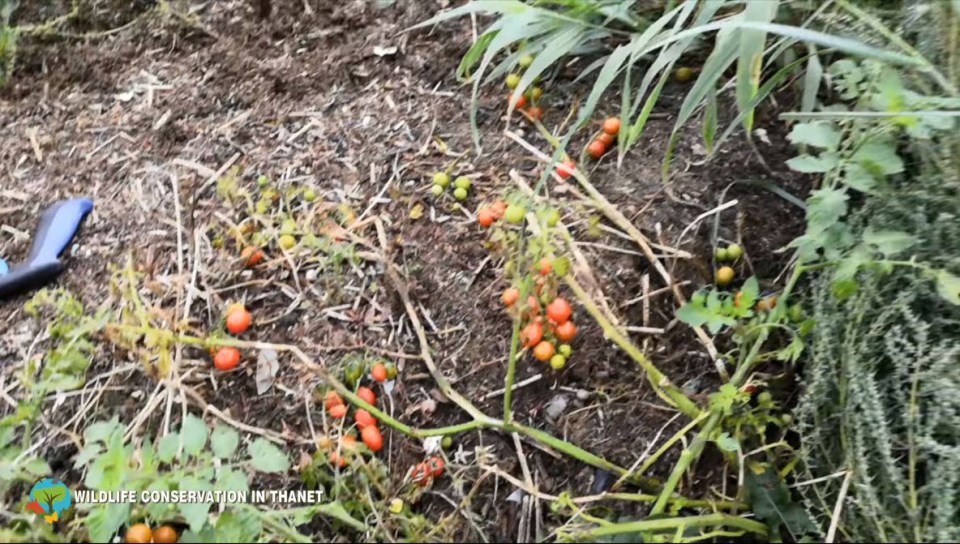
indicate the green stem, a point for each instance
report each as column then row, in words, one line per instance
column 511, row 372
column 709, row 520
column 662, row 385
column 669, row 443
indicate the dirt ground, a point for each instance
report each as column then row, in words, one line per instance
column 341, row 99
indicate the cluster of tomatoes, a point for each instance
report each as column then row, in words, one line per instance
column 426, row 471
column 599, row 146
column 238, row 321
column 512, row 214
column 549, row 335
column 140, row 533
column 725, row 274
column 533, row 93
column 367, row 424
column 461, row 185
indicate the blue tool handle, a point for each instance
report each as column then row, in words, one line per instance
column 56, row 229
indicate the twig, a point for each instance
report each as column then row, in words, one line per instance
column 835, row 518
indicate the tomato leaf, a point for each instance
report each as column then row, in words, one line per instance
column 224, row 441
column 194, row 434
column 266, row 457
column 167, row 448
column 879, row 158
column 769, row 499
column 727, row 443
column 816, row 134
column 809, row 164
column 888, row 242
column 948, row 286
column 238, row 526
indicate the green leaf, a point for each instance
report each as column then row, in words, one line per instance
column 811, row 80
column 948, row 286
column 503, row 7
column 726, row 397
column 859, row 178
column 158, row 510
column 224, row 441
column 88, row 453
column 559, row 46
column 193, row 433
column 710, row 121
column 105, row 520
column 168, row 446
column 750, row 57
column 727, row 443
column 791, row 353
column 232, row 480
column 195, row 514
column 848, row 267
column 99, row 431
column 809, row 164
column 266, row 457
column 888, row 242
column 817, row 134
column 750, row 292
column 879, row 158
column 825, row 207
column 769, row 499
column 238, row 526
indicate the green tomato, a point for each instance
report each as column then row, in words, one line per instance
column 795, row 313
column 558, row 361
column 287, row 241
column 565, row 350
column 536, row 93
column 553, row 217
column 721, row 254
column 353, row 373
column 442, row 179
column 514, row 214
column 462, row 182
column 263, row 181
column 391, row 370
column 734, row 252
column 309, row 195
column 289, row 226
column 447, row 442
column 512, row 81
column 765, row 398
column 787, row 419
column 460, row 193
column 437, row 190
column 525, row 61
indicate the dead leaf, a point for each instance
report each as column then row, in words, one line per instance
column 267, row 368
column 417, row 211
column 384, row 51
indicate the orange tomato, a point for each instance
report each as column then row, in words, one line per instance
column 596, row 149
column 510, row 296
column 499, row 208
column 533, row 305
column 226, row 359
column 251, row 255
column 379, row 372
column 605, row 139
column 364, row 419
column 165, row 535
column 337, row 460
column 348, row 442
column 486, row 217
column 337, row 411
column 422, row 474
column 532, row 334
column 372, row 438
column 546, row 266
column 367, row 395
column 565, row 170
column 332, row 399
column 139, row 533
column 535, row 112
column 566, row 331
column 559, row 311
column 239, row 320
column 544, row 351
column 612, row 126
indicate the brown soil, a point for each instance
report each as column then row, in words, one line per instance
column 305, row 98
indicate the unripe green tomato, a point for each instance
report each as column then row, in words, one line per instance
column 721, row 254
column 442, row 179
column 765, row 398
column 447, row 442
column 436, row 190
column 309, row 195
column 512, row 81
column 287, row 241
column 514, row 214
column 460, row 193
column 462, row 182
column 263, row 181
column 289, row 226
column 565, row 350
column 525, row 61
column 558, row 361
column 553, row 217
column 734, row 252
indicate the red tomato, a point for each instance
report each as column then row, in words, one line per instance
column 422, row 474
column 546, row 266
column 379, row 372
column 559, row 311
column 238, row 320
column 605, row 139
column 337, row 411
column 367, row 395
column 565, row 170
column 227, row 359
column 251, row 255
column 596, row 149
column 519, row 102
column 535, row 112
column 510, row 296
column 436, row 466
column 165, row 535
column 533, row 305
column 486, row 217
column 332, row 399
column 372, row 438
column 532, row 334
column 364, row 419
column 565, row 332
